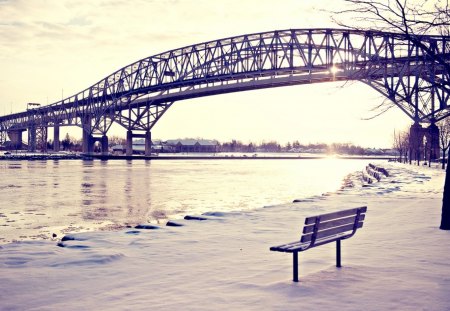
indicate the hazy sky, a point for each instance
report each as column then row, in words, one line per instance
column 55, row 48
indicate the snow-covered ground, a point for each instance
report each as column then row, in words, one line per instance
column 399, row 260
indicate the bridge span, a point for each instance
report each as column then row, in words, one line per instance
column 137, row 96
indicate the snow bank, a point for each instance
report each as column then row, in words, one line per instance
column 398, row 261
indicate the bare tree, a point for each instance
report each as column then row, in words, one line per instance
column 408, row 17
column 426, row 17
column 411, row 19
column 117, row 140
column 401, row 144
column 397, row 145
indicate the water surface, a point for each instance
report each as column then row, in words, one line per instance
column 42, row 198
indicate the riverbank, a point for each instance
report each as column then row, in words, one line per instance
column 397, row 261
column 181, row 156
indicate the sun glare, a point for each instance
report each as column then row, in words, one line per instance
column 334, row 70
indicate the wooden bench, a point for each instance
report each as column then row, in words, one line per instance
column 323, row 229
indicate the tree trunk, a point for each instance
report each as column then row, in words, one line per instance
column 445, row 218
column 443, row 159
column 429, row 158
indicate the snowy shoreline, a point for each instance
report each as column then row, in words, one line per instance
column 397, row 261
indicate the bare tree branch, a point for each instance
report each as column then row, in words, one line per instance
column 412, row 21
column 385, row 106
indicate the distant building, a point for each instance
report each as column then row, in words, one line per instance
column 138, row 148
column 173, row 145
column 193, row 145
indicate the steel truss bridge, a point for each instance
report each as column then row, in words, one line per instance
column 137, row 96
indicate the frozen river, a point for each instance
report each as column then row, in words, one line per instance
column 42, row 198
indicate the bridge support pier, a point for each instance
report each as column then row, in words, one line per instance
column 56, row 143
column 423, row 143
column 88, row 143
column 415, row 141
column 433, row 142
column 105, row 147
column 16, row 138
column 129, row 147
column 88, row 140
column 32, row 138
column 148, row 142
column 2, row 136
column 37, row 138
column 41, row 138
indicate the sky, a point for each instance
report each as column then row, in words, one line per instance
column 52, row 49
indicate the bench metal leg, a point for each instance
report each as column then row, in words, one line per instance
column 295, row 266
column 338, row 253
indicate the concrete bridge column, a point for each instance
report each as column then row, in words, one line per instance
column 129, row 147
column 433, row 141
column 16, row 138
column 56, row 143
column 105, row 147
column 148, row 143
column 88, row 140
column 32, row 138
column 88, row 143
column 415, row 142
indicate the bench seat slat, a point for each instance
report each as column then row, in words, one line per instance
column 338, row 214
column 330, row 232
column 332, row 223
column 296, row 246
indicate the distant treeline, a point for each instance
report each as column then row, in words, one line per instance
column 69, row 143
column 274, row 146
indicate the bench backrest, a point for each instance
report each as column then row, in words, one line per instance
column 330, row 227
